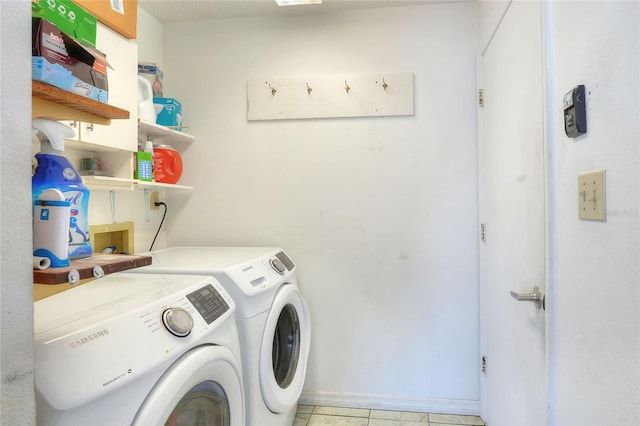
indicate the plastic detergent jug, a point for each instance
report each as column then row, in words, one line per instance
column 55, row 171
column 50, row 228
column 146, row 110
column 167, row 164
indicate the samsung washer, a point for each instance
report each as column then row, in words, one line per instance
column 131, row 349
column 273, row 320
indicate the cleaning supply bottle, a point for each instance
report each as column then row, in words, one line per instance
column 55, row 171
column 148, row 147
column 143, row 162
column 50, row 228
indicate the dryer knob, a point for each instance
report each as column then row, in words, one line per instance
column 178, row 321
column 277, row 266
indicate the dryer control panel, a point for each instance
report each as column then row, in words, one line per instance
column 286, row 260
column 209, row 303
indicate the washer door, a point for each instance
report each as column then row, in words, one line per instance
column 203, row 387
column 284, row 349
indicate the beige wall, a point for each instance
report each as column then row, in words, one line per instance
column 380, row 214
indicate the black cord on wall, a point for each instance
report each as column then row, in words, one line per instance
column 161, row 222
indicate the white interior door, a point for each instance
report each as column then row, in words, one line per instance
column 512, row 208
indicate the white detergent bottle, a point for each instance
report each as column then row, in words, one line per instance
column 50, row 228
column 55, row 171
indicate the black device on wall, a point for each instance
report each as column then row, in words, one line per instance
column 575, row 112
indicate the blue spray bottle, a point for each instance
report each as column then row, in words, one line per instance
column 55, row 171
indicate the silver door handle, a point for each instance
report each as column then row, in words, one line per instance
column 536, row 297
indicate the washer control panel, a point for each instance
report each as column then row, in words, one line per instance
column 209, row 303
column 178, row 321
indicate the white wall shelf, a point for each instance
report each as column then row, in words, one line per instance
column 140, row 184
column 146, row 128
column 107, row 183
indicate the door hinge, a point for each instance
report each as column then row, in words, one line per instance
column 483, row 232
column 484, row 364
column 481, row 98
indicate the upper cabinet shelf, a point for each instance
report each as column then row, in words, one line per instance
column 146, row 128
column 50, row 102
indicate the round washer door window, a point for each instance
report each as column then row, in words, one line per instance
column 203, row 386
column 204, row 404
column 284, row 349
column 286, row 346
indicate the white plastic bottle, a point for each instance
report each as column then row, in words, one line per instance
column 51, row 228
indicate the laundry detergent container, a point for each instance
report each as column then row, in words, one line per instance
column 167, row 164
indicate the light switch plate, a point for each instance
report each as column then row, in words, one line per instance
column 591, row 196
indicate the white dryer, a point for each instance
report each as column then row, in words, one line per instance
column 131, row 349
column 273, row 320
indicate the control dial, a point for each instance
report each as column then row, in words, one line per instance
column 277, row 266
column 178, row 321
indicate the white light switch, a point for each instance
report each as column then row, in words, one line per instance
column 591, row 196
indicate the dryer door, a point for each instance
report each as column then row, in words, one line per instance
column 284, row 349
column 203, row 386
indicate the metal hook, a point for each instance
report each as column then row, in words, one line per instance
column 346, row 87
column 384, row 85
column 309, row 89
column 273, row 91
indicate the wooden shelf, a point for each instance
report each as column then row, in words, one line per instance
column 50, row 102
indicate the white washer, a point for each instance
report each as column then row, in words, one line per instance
column 272, row 317
column 131, row 349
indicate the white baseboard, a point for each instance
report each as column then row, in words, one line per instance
column 390, row 402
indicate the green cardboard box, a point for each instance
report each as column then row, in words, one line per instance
column 70, row 18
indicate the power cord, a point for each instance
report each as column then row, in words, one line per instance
column 158, row 204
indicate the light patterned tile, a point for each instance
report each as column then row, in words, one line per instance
column 386, row 415
column 301, row 419
column 339, row 411
column 325, row 420
column 443, row 424
column 450, row 419
column 387, row 422
column 384, row 422
column 407, row 416
column 305, row 409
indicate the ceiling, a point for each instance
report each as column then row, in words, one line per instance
column 197, row 10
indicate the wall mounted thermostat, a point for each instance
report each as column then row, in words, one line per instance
column 575, row 112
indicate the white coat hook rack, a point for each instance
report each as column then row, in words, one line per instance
column 326, row 96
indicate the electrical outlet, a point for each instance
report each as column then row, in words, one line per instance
column 153, row 199
column 592, row 196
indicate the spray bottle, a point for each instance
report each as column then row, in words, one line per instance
column 55, row 171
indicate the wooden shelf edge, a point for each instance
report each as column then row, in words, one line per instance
column 44, row 94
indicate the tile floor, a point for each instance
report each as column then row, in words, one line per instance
column 310, row 415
